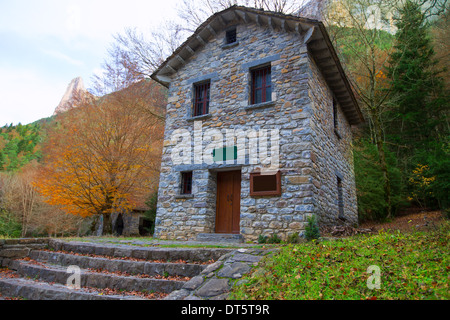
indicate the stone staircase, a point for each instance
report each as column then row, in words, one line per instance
column 40, row 270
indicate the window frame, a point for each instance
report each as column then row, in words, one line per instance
column 267, row 74
column 233, row 36
column 198, row 99
column 186, row 188
column 336, row 119
column 340, row 196
column 276, row 192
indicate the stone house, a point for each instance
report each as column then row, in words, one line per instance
column 258, row 129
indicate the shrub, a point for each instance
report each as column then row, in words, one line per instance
column 262, row 239
column 272, row 239
column 294, row 238
column 312, row 228
column 9, row 227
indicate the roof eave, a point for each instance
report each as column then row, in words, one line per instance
column 313, row 32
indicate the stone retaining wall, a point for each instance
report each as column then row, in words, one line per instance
column 216, row 280
column 11, row 249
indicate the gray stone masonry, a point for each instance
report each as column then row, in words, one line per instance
column 216, row 280
column 311, row 154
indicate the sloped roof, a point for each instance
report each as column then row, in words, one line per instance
column 314, row 34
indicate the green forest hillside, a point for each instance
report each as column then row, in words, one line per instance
column 19, row 145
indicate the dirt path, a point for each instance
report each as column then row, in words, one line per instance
column 408, row 222
column 413, row 220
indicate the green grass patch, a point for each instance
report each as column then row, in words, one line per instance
column 413, row 266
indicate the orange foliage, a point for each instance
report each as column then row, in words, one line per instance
column 104, row 155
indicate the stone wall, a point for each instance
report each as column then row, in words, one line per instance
column 332, row 155
column 130, row 223
column 290, row 112
column 11, row 249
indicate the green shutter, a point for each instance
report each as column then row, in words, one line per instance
column 224, row 154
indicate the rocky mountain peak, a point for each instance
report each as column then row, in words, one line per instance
column 74, row 90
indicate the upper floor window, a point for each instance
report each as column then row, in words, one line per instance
column 335, row 114
column 231, row 36
column 335, row 119
column 261, row 90
column 201, row 98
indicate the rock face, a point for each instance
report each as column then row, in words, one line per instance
column 313, row 9
column 75, row 89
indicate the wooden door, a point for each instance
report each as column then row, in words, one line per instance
column 228, row 209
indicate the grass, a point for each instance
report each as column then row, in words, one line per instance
column 413, row 266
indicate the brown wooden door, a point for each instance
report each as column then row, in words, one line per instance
column 228, row 202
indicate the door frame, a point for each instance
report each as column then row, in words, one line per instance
column 234, row 227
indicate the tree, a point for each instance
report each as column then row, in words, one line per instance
column 356, row 27
column 19, row 197
column 139, row 55
column 419, row 116
column 105, row 154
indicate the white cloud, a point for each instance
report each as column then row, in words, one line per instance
column 63, row 57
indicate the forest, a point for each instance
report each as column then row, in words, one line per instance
column 59, row 174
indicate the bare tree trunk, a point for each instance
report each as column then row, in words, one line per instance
column 383, row 165
column 107, row 227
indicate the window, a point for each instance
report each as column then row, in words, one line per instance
column 186, row 182
column 335, row 119
column 261, row 90
column 225, row 154
column 335, row 115
column 265, row 184
column 340, row 198
column 231, row 36
column 201, row 98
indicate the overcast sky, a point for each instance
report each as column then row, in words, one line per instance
column 44, row 44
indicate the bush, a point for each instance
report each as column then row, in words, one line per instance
column 274, row 239
column 312, row 228
column 270, row 240
column 262, row 239
column 370, row 183
column 294, row 238
column 9, row 227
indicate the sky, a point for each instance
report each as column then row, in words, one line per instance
column 44, row 44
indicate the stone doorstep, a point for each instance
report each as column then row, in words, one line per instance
column 35, row 290
column 220, row 237
column 132, row 267
column 50, row 273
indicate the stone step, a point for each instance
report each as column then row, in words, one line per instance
column 146, row 253
column 38, row 290
column 112, row 265
column 220, row 237
column 58, row 274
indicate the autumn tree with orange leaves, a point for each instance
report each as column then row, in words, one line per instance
column 104, row 155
